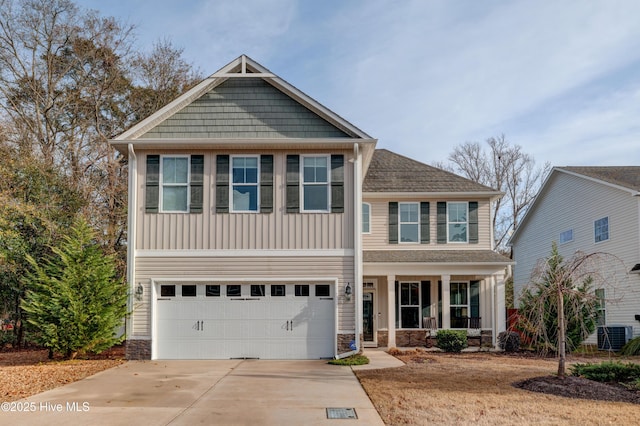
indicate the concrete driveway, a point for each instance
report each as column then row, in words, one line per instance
column 234, row 392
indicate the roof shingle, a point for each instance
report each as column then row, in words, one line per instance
column 435, row 256
column 625, row 176
column 391, row 172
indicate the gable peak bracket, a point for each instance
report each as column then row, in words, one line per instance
column 243, row 71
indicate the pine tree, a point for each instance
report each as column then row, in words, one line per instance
column 75, row 304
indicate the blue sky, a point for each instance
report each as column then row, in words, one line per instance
column 560, row 78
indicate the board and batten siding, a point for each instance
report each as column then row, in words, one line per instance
column 248, row 269
column 378, row 238
column 570, row 202
column 245, row 231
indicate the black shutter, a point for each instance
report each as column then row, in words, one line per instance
column 473, row 222
column 393, row 222
column 426, row 299
column 474, row 305
column 266, row 183
column 197, row 175
column 293, row 179
column 222, row 184
column 337, row 183
column 152, row 194
column 425, row 232
column 442, row 222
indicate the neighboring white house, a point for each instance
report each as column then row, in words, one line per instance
column 245, row 231
column 587, row 209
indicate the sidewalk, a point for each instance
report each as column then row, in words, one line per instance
column 378, row 358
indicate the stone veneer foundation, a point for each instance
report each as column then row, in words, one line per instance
column 138, row 349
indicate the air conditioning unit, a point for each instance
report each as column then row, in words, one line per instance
column 613, row 337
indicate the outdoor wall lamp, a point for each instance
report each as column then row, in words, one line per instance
column 347, row 291
column 139, row 292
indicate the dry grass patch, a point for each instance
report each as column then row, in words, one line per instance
column 476, row 388
column 26, row 373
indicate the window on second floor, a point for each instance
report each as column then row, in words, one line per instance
column 601, row 229
column 409, row 222
column 566, row 236
column 175, row 184
column 366, row 218
column 244, row 181
column 315, row 183
column 457, row 222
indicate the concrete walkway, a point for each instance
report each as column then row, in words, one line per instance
column 233, row 392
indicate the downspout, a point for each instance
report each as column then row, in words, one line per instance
column 357, row 250
column 131, row 235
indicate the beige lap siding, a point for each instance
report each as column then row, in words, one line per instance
column 262, row 270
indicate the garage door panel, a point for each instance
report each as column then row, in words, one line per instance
column 267, row 327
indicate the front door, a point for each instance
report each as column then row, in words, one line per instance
column 368, row 319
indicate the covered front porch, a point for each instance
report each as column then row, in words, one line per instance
column 407, row 300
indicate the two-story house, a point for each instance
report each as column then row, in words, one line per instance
column 590, row 210
column 244, row 234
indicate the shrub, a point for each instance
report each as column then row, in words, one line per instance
column 509, row 341
column 75, row 302
column 451, row 340
column 631, row 348
column 608, row 371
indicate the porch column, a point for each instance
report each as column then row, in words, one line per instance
column 500, row 314
column 391, row 310
column 446, row 301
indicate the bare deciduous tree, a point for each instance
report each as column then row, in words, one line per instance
column 504, row 167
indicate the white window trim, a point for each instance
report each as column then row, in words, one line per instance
column 467, row 305
column 608, row 230
column 303, row 183
column 400, row 305
column 162, row 184
column 466, row 241
column 566, row 241
column 257, row 184
column 369, row 207
column 400, row 223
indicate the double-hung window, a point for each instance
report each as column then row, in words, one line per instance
column 366, row 218
column 457, row 222
column 244, row 184
column 175, row 184
column 315, row 183
column 413, row 303
column 409, row 222
column 601, row 229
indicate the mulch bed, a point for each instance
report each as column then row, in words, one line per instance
column 578, row 387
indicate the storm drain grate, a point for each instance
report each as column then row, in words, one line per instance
column 341, row 413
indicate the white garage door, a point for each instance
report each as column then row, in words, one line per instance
column 265, row 321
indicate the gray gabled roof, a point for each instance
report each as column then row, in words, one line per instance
column 625, row 176
column 391, row 172
column 436, row 256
